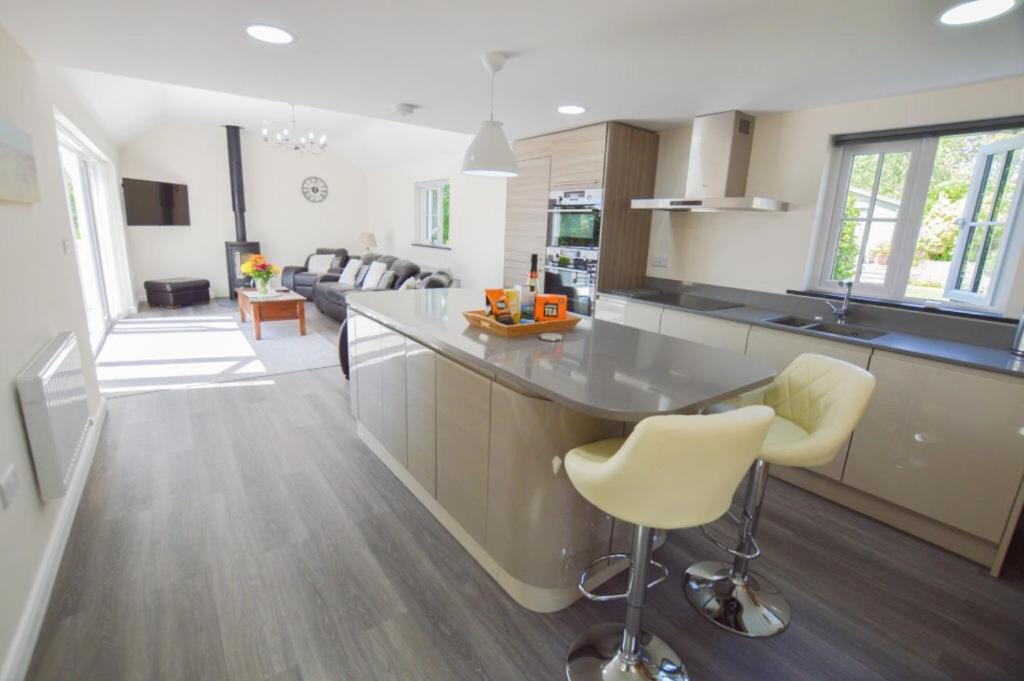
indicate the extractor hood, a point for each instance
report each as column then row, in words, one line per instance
column 716, row 175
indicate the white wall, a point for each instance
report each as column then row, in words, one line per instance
column 477, row 236
column 287, row 226
column 47, row 301
column 769, row 252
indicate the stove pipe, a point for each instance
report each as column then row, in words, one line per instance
column 237, row 181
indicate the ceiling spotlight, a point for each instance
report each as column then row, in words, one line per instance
column 974, row 11
column 404, row 108
column 572, row 109
column 269, row 34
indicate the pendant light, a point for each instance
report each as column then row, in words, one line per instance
column 489, row 153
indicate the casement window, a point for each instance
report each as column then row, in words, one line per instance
column 932, row 216
column 433, row 213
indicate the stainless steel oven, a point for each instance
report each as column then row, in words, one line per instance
column 574, row 218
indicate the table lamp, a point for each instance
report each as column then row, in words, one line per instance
column 367, row 240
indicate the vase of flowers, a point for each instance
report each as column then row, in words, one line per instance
column 260, row 271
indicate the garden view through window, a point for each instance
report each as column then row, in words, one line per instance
column 927, row 218
column 433, row 200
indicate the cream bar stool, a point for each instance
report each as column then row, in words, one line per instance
column 671, row 472
column 817, row 401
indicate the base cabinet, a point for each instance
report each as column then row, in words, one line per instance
column 780, row 348
column 942, row 440
column 642, row 316
column 421, row 414
column 718, row 333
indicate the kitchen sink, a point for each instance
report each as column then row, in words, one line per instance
column 827, row 327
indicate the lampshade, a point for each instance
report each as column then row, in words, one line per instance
column 367, row 240
column 489, row 153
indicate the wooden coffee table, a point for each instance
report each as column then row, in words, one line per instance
column 288, row 305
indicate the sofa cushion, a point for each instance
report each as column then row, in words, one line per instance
column 439, row 279
column 348, row 275
column 320, row 262
column 403, row 269
column 335, row 293
column 306, row 278
column 373, row 274
column 388, row 260
column 387, row 280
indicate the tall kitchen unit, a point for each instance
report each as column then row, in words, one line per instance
column 570, row 204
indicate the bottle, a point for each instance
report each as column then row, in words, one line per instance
column 529, row 292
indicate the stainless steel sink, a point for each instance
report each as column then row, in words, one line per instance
column 846, row 330
column 834, row 329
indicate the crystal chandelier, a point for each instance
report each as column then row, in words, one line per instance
column 288, row 138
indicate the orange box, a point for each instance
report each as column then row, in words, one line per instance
column 550, row 306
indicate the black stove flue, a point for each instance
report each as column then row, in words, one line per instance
column 240, row 248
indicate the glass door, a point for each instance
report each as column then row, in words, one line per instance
column 80, row 177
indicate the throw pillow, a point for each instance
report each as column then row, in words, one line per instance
column 387, row 280
column 409, row 283
column 373, row 275
column 361, row 274
column 319, row 264
column 348, row 275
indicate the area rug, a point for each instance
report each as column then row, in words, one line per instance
column 160, row 349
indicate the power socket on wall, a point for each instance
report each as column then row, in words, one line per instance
column 10, row 481
column 659, row 261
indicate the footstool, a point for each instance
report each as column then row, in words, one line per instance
column 177, row 291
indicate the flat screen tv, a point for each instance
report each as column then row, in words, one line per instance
column 155, row 204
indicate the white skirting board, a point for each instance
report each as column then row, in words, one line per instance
column 19, row 654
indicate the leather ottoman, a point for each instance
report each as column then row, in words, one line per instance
column 177, row 291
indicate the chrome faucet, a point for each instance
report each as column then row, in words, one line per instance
column 840, row 311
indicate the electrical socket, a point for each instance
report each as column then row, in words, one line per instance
column 659, row 261
column 9, row 484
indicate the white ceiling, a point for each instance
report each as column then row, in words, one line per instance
column 127, row 107
column 655, row 62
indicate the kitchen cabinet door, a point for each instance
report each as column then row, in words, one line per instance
column 718, row 333
column 577, row 158
column 367, row 342
column 526, row 219
column 421, row 410
column 781, row 347
column 463, row 438
column 610, row 310
column 942, row 440
column 392, row 396
column 642, row 316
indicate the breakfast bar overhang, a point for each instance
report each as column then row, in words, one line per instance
column 476, row 425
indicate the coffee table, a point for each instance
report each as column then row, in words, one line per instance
column 288, row 305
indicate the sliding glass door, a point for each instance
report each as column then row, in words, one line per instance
column 81, row 183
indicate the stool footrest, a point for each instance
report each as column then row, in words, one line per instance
column 731, row 551
column 610, row 558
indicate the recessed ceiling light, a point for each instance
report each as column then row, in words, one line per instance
column 270, row 34
column 572, row 109
column 974, row 11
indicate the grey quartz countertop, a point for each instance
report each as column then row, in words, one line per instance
column 600, row 368
column 964, row 354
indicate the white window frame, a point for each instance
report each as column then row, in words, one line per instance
column 1012, row 233
column 423, row 216
column 906, row 231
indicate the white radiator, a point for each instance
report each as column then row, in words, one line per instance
column 53, row 402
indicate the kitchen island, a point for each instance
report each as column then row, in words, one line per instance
column 476, row 425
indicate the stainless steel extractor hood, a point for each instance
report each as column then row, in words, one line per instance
column 716, row 175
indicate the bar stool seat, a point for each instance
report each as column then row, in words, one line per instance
column 817, row 401
column 671, row 472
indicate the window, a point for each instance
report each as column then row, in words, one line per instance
column 926, row 218
column 433, row 213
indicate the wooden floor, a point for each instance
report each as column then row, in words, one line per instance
column 232, row 533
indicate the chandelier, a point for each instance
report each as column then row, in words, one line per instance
column 289, row 138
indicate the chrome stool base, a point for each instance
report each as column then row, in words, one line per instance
column 595, row 656
column 751, row 607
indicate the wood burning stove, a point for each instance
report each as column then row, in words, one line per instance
column 240, row 249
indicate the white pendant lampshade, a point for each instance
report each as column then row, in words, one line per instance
column 489, row 154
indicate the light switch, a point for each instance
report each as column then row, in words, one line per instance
column 9, row 484
column 659, row 261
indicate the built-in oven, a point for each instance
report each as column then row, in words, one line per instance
column 574, row 228
column 574, row 218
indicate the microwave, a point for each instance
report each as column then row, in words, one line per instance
column 574, row 218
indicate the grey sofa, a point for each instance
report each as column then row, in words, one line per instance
column 302, row 281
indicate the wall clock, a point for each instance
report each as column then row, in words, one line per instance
column 314, row 189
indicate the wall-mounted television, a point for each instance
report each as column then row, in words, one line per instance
column 155, row 204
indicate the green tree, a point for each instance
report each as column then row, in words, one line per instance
column 848, row 251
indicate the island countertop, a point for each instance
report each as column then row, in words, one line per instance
column 601, row 368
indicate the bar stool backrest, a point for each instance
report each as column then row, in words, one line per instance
column 677, row 471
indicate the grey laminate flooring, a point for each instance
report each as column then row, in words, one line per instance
column 232, row 533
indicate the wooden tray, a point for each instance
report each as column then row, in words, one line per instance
column 480, row 319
